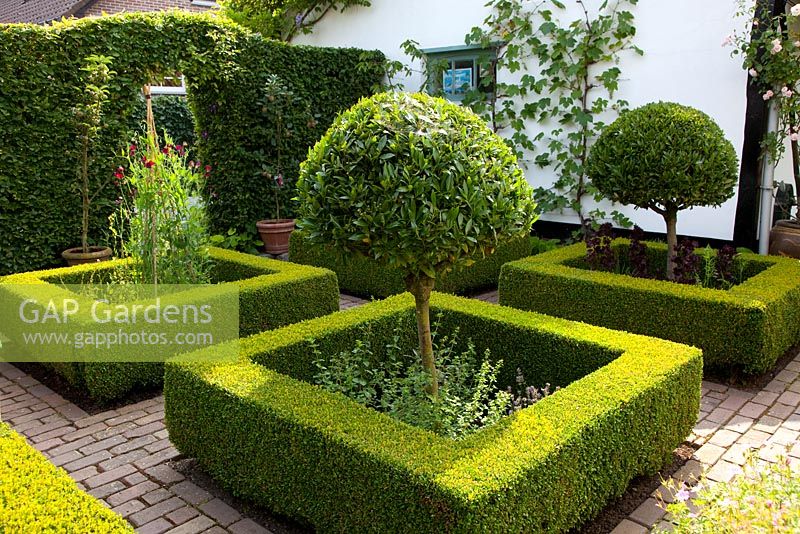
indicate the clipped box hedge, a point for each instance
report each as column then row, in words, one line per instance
column 746, row 328
column 266, row 434
column 36, row 496
column 272, row 294
column 364, row 277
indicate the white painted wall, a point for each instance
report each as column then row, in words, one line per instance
column 684, row 62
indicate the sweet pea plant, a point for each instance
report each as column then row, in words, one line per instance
column 160, row 223
column 771, row 55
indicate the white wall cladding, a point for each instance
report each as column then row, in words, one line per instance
column 684, row 62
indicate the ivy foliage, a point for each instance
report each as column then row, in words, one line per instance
column 225, row 67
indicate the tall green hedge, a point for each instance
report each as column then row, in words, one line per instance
column 266, row 434
column 36, row 496
column 226, row 68
column 746, row 328
column 171, row 113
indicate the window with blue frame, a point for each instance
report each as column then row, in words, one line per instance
column 455, row 71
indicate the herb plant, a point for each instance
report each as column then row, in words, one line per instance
column 397, row 384
column 765, row 497
column 599, row 253
column 637, row 254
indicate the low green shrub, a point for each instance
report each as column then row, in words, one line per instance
column 36, row 496
column 268, row 435
column 365, row 277
column 746, row 328
column 272, row 294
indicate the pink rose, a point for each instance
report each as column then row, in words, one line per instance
column 769, row 94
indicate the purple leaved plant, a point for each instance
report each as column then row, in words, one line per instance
column 687, row 263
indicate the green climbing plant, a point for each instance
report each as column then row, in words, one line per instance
column 283, row 19
column 539, row 66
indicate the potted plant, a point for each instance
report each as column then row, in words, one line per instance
column 275, row 233
column 772, row 58
column 88, row 115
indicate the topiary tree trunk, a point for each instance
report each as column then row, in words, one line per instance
column 671, row 217
column 421, row 287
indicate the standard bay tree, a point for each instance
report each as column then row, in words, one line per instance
column 418, row 183
column 664, row 157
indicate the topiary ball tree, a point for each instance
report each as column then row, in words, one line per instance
column 418, row 183
column 664, row 157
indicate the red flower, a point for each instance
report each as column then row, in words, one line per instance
column 149, row 164
column 208, row 169
column 179, row 148
column 279, row 180
column 132, row 149
column 165, row 150
column 120, row 173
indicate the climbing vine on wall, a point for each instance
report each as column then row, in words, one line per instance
column 538, row 66
column 283, row 19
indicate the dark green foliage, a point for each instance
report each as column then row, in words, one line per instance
column 36, row 496
column 364, row 277
column 415, row 182
column 663, row 155
column 171, row 113
column 298, row 450
column 272, row 294
column 746, row 328
column 225, row 68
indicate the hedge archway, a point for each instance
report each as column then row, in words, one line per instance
column 226, row 69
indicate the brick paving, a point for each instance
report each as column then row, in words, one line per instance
column 731, row 423
column 123, row 456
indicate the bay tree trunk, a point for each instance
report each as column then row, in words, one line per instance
column 421, row 289
column 671, row 218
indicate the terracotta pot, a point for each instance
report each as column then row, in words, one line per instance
column 75, row 256
column 784, row 239
column 275, row 235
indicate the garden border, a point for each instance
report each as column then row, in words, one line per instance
column 747, row 327
column 303, row 452
column 281, row 294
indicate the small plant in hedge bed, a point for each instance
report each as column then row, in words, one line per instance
column 631, row 163
column 764, row 497
column 625, row 403
column 426, row 187
column 746, row 318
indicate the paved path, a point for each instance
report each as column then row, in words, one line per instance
column 122, row 456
